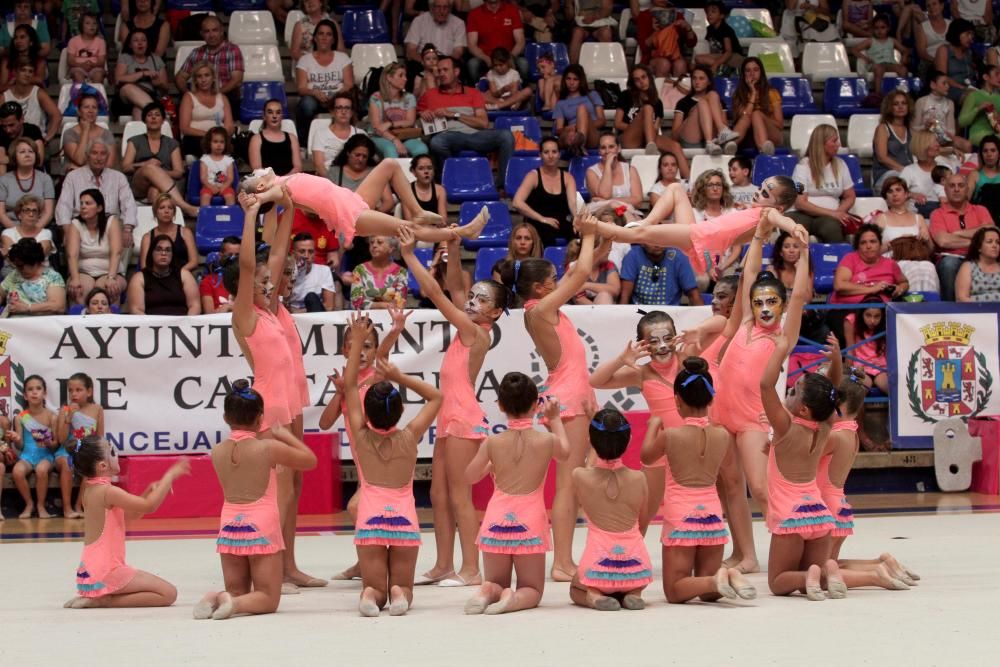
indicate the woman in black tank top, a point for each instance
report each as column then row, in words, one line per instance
column 542, row 208
column 273, row 147
column 422, row 167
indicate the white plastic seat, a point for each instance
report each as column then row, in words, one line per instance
column 863, row 206
column 623, row 22
column 62, row 71
column 702, row 163
column 822, row 60
column 118, row 26
column 404, row 164
column 802, row 128
column 294, row 16
column 868, row 72
column 784, row 53
column 647, row 167
column 698, row 22
column 603, row 60
column 315, row 126
column 183, row 51
column 366, row 56
column 861, row 133
column 754, row 14
column 252, row 27
column 262, row 62
column 287, row 125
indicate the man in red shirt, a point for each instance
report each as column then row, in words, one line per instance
column 215, row 298
column 952, row 227
column 327, row 244
column 494, row 23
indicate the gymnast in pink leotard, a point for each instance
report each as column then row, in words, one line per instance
column 694, row 535
column 615, row 566
column 461, row 424
column 515, row 528
column 387, row 533
column 558, row 344
column 103, row 578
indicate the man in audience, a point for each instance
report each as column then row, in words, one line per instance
column 657, row 276
column 465, row 112
column 113, row 184
column 12, row 126
column 492, row 24
column 215, row 298
column 438, row 27
column 314, row 290
column 723, row 44
column 952, row 227
column 327, row 246
column 225, row 57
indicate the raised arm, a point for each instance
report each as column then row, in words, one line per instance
column 621, row 371
column 139, row 505
column 288, row 451
column 551, row 410
column 432, row 397
column 398, row 317
column 575, row 277
column 358, row 330
column 243, row 315
column 653, row 445
column 801, row 289
column 777, row 415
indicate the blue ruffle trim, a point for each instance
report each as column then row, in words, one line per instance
column 231, row 542
column 619, row 576
column 89, row 588
column 844, row 525
column 697, row 534
column 807, row 521
column 511, row 544
column 386, row 535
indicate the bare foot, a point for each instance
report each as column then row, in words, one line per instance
column 206, row 607
column 475, row 226
column 28, row 511
column 814, row 591
column 429, row 218
column 398, row 604
column 835, row 586
column 368, row 607
column 741, row 585
column 353, row 572
column 747, row 566
column 722, row 584
column 487, row 595
column 501, row 606
column 889, row 581
column 562, row 574
column 225, row 608
column 898, row 570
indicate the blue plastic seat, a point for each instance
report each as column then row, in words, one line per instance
column 557, row 255
column 365, row 26
column 194, row 187
column 216, row 223
column 517, row 169
column 726, row 88
column 578, row 167
column 426, row 256
column 908, row 84
column 255, row 94
column 527, row 124
column 765, row 166
column 230, row 6
column 825, row 258
column 497, row 230
column 796, row 94
column 534, row 49
column 191, row 5
column 861, row 188
column 468, row 179
column 485, row 260
column 842, row 96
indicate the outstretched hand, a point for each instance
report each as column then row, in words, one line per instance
column 407, row 240
column 832, row 347
column 633, row 352
column 398, row 317
column 386, row 370
column 359, row 328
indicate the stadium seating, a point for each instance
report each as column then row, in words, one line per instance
column 315, row 126
column 825, row 258
column 183, row 51
column 497, row 230
column 861, row 188
column 366, row 56
column 485, row 259
column 864, row 206
column 426, row 257
column 214, row 224
column 578, row 167
column 842, row 96
column 365, row 26
column 262, row 62
column 194, row 187
column 765, row 166
column 468, row 179
column 603, row 60
column 861, row 133
column 145, row 220
column 294, row 16
column 287, row 125
column 534, row 49
column 702, row 163
column 252, row 27
column 517, row 169
column 784, row 56
column 231, row 6
column 527, row 124
column 820, row 61
column 796, row 95
column 648, row 167
column 256, row 94
column 803, row 126
column 557, row 255
column 726, row 87
column 134, row 128
column 908, row 84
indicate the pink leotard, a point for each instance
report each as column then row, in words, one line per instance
column 364, row 375
column 102, row 569
column 711, row 356
column 569, row 381
column 298, row 371
column 713, row 237
column 833, row 496
column 460, row 416
column 738, row 406
column 659, row 395
column 795, row 508
column 387, row 517
column 692, row 515
column 272, row 362
column 338, row 207
column 254, row 528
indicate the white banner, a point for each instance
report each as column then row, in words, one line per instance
column 162, row 380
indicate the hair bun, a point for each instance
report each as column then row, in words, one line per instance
column 764, row 275
column 241, row 385
column 695, row 365
column 799, row 188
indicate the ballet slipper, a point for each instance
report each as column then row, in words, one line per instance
column 747, row 566
column 835, row 586
column 814, row 591
column 428, row 579
column 429, row 218
column 28, row 511
column 457, row 580
column 307, row 582
column 479, row 602
column 888, row 580
column 73, row 514
column 398, row 604
column 82, row 603
column 561, row 575
column 742, row 587
column 604, row 603
column 732, row 561
column 351, row 573
column 633, row 602
column 722, row 584
column 367, row 607
column 500, row 606
column 898, row 570
column 475, row 226
column 44, row 514
column 206, row 607
column 288, row 588
column 225, row 608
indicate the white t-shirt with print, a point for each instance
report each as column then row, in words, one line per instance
column 329, row 79
column 826, row 194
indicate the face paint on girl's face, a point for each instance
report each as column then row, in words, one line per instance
column 660, row 338
column 480, row 301
column 368, row 351
column 767, row 306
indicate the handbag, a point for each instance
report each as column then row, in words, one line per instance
column 910, row 249
column 404, row 133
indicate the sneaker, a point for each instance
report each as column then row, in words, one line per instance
column 713, row 148
column 767, row 148
column 652, row 148
column 726, row 136
column 730, row 148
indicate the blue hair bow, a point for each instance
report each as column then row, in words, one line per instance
column 517, row 272
column 625, row 426
column 388, row 397
column 246, row 393
column 699, row 376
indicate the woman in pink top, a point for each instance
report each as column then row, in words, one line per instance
column 870, row 356
column 866, row 272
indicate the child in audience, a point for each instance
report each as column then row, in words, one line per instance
column 742, row 190
column 218, row 169
column 939, row 175
column 40, row 450
column 87, row 52
column 935, row 111
column 879, row 52
column 549, row 81
column 871, row 323
column 505, row 91
column 82, row 417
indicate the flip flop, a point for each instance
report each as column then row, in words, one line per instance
column 424, row 580
column 457, row 581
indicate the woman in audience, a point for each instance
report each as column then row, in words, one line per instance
column 579, row 114
column 143, row 18
column 613, row 180
column 28, row 226
column 639, row 116
column 93, row 244
column 979, row 278
column 185, row 254
column 866, row 272
column 931, row 36
column 141, row 76
column 154, row 161
column 330, row 140
column 36, row 105
column 956, row 59
column 603, row 284
column 24, row 177
column 319, row 75
column 354, row 163
column 667, row 169
column 24, row 46
column 700, row 119
column 924, row 195
column 757, row 115
column 892, row 138
column 272, row 146
column 430, row 195
column 202, row 108
column 546, row 198
column 438, row 269
column 392, row 113
column 900, row 222
column 215, row 298
column 380, row 282
column 828, row 191
column 78, row 138
column 302, row 34
column 98, row 302
column 984, row 182
column 163, row 287
column 524, row 243
column 710, row 199
column 32, row 288
column 784, row 254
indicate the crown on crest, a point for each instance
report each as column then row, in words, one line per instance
column 947, row 332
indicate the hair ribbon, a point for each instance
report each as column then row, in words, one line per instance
column 517, row 272
column 698, row 376
column 388, row 397
column 247, row 393
column 625, row 426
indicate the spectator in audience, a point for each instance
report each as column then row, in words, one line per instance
column 710, row 198
column 866, row 272
column 955, row 58
column 579, row 112
column 952, row 226
column 468, row 125
column 218, row 168
column 611, row 179
column 505, row 90
column 723, row 55
column 302, row 34
column 26, row 179
column 392, row 113
column 642, row 16
column 24, row 15
column 72, row 10
column 143, row 18
column 280, row 9
column 154, row 161
column 80, row 137
column 28, row 210
column 857, row 18
column 935, row 112
column 93, row 244
column 32, row 288
column 215, row 298
column 931, row 35
column 330, row 140
column 117, row 199
column 899, row 222
column 163, row 287
column 141, row 76
column 918, row 176
column 87, row 52
column 978, row 279
column 313, row 290
column 23, row 48
column 603, row 284
column 165, row 213
column 979, row 14
column 426, row 79
column 978, row 109
column 892, row 138
column 869, row 355
column 878, row 52
column 700, row 119
column 984, row 182
column 13, row 127
column 438, row 28
column 657, row 276
column 430, row 195
column 226, row 60
column 757, row 116
column 354, row 163
column 549, row 82
column 320, row 75
column 639, row 116
column 828, row 191
column 667, row 169
column 546, row 197
column 524, row 242
column 784, row 254
column 379, row 283
column 202, row 108
column 493, row 24
column 274, row 147
column 740, row 186
column 592, row 21
column 38, row 107
column 664, row 49
column 97, row 302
